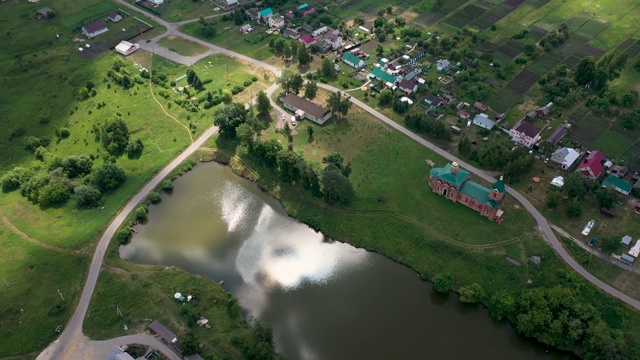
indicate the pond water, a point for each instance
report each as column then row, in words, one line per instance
column 324, row 299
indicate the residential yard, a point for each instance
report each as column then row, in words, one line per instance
column 181, row 10
column 182, row 46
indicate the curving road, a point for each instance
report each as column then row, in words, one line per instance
column 66, row 347
column 72, row 344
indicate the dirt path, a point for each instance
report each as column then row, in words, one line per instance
column 37, row 242
column 162, row 107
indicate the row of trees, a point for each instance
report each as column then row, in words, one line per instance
column 423, row 124
column 554, row 316
column 290, row 49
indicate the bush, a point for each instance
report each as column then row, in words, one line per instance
column 86, row 196
column 167, row 185
column 248, row 83
column 154, row 197
column 442, row 282
column 141, row 212
column 123, row 235
column 31, row 143
column 472, row 294
column 17, row 131
column 109, row 177
column 64, row 133
column 54, row 193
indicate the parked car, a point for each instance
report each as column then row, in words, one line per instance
column 293, row 121
column 407, row 100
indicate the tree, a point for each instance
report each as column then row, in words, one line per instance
column 503, row 305
column 245, row 134
column 109, row 177
column 336, row 188
column 190, row 344
column 141, row 212
column 311, row 181
column 359, row 20
column 629, row 119
column 296, row 83
column 472, row 294
column 115, row 136
column 134, row 149
column 228, row 118
column 576, row 185
column 574, row 209
column 123, row 235
column 288, row 164
column 380, row 51
column 400, row 106
column 339, row 104
column 336, row 159
column 629, row 99
column 385, row 97
column 154, row 197
column 54, row 193
column 267, row 151
column 327, row 69
column 303, row 56
column 287, row 51
column 553, row 199
column 31, row 143
column 607, row 197
column 264, row 104
column 585, row 70
column 442, row 282
column 77, row 166
column 399, row 20
column 464, row 146
column 389, row 9
column 310, row 90
column 167, row 185
column 310, row 132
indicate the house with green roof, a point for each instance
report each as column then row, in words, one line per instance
column 383, row 75
column 453, row 183
column 612, row 181
column 265, row 14
column 352, row 60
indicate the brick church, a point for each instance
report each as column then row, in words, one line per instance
column 453, row 183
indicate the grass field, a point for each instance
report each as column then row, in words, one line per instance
column 612, row 144
column 254, row 44
column 180, row 10
column 182, row 46
column 52, row 71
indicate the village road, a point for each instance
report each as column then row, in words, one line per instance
column 72, row 337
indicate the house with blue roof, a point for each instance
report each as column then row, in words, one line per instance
column 303, row 6
column 483, row 121
column 453, row 183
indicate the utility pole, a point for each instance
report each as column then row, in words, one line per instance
column 118, row 311
column 59, row 293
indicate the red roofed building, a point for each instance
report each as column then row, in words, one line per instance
column 308, row 40
column 591, row 166
column 464, row 115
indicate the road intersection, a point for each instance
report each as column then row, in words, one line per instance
column 73, row 344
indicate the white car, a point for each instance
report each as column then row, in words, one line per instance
column 293, row 121
column 407, row 100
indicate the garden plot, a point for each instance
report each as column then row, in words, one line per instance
column 521, row 83
column 488, row 4
column 430, row 18
column 578, row 114
column 571, row 62
column 464, row 16
column 501, row 11
column 484, row 21
column 545, row 63
column 512, row 48
column 634, row 50
column 592, row 28
column 592, row 50
column 632, row 155
column 612, row 144
column 504, row 100
column 576, row 23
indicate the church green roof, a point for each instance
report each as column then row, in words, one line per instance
column 476, row 191
column 498, row 185
column 445, row 174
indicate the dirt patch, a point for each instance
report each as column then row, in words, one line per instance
column 142, row 57
column 349, row 4
column 409, row 16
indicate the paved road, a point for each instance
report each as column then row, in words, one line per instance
column 66, row 347
column 595, row 252
column 543, row 224
column 73, row 331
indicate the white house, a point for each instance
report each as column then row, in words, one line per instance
column 95, row 28
column 157, row 2
column 565, row 157
column 114, row 16
column 320, row 31
column 334, row 39
column 525, row 133
column 276, row 21
column 126, row 48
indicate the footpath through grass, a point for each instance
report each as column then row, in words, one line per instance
column 46, row 248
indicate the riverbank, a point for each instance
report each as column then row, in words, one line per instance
column 416, row 244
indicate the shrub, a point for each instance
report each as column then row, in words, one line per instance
column 123, row 235
column 154, row 197
column 86, row 196
column 141, row 212
column 167, row 185
column 442, row 282
column 31, row 143
column 248, row 83
column 64, row 133
column 472, row 294
column 109, row 177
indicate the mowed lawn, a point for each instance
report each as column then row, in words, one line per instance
column 227, row 35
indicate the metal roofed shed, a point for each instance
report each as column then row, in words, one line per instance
column 165, row 333
column 626, row 240
column 627, row 259
column 635, row 250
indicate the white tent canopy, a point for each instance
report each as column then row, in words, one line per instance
column 177, row 295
